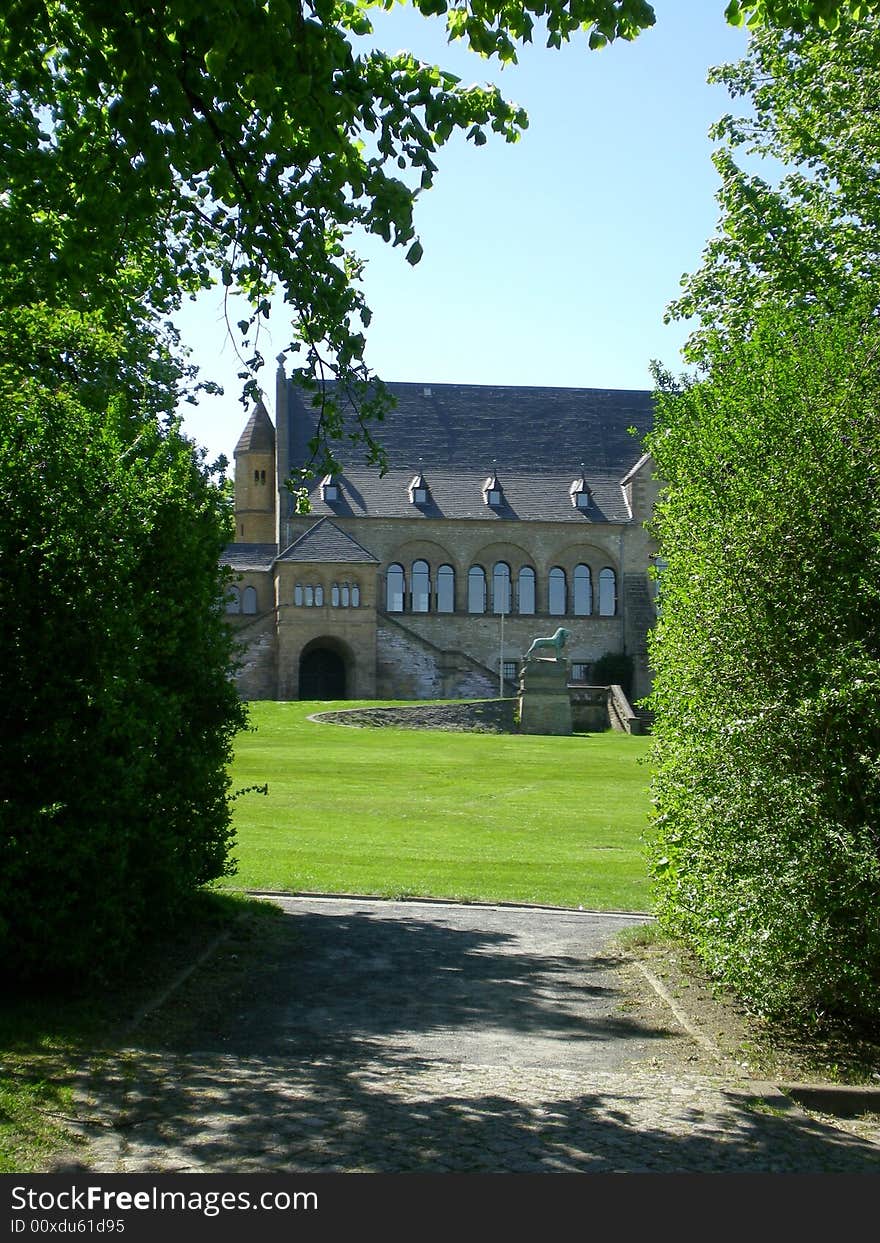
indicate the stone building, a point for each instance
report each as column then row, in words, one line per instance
column 505, row 513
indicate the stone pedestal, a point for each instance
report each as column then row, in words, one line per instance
column 544, row 703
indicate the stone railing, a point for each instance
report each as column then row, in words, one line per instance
column 621, row 713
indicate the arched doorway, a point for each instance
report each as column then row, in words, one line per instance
column 322, row 673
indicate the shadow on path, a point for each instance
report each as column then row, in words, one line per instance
column 382, row 1037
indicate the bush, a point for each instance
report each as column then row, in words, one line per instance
column 766, row 852
column 614, row 669
column 116, row 711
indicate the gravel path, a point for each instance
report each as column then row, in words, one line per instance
column 404, row 1036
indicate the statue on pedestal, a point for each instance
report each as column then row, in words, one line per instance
column 555, row 641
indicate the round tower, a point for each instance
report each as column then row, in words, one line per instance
column 255, row 480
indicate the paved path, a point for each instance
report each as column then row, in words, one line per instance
column 403, row 1036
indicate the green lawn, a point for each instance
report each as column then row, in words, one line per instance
column 483, row 817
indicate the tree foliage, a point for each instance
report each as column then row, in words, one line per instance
column 767, row 660
column 810, row 236
column 251, row 139
column 244, row 138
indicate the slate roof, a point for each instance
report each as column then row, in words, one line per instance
column 249, row 556
column 532, row 496
column 324, row 542
column 536, row 439
column 258, row 435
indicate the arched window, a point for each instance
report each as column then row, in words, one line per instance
column 298, row 594
column 583, row 591
column 319, row 596
column 607, row 592
column 476, row 589
column 310, row 596
column 420, row 587
column 446, row 589
column 355, row 596
column 345, row 592
column 334, row 596
column 558, row 593
column 395, row 586
column 525, row 591
column 249, row 600
column 233, row 600
column 501, row 587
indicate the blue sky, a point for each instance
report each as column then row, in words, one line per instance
column 547, row 261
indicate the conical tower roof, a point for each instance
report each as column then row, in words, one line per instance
column 259, row 434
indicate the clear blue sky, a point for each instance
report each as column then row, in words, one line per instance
column 547, row 261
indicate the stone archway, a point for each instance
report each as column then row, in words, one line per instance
column 323, row 671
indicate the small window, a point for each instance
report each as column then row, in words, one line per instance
column 558, row 593
column 418, row 489
column 580, row 492
column 249, row 600
column 329, row 488
column 355, row 596
column 476, row 589
column 395, row 587
column 446, row 589
column 509, row 670
column 298, row 595
column 492, row 491
column 525, row 590
column 420, row 587
column 256, row 476
column 345, row 595
column 607, row 592
column 334, row 596
column 583, row 591
column 233, row 600
column 501, row 587
column 319, row 596
column 310, row 596
column 580, row 672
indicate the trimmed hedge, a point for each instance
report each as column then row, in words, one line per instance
column 116, row 711
column 766, row 851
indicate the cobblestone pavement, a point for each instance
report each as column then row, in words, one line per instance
column 414, row 1037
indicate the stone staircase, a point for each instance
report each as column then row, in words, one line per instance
column 427, row 670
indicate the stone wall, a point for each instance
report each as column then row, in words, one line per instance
column 256, row 676
column 589, row 708
column 487, row 716
column 410, row 666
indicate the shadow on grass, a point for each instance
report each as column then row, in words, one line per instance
column 383, row 1043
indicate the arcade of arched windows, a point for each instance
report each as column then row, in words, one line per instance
column 339, row 595
column 584, row 590
column 241, row 600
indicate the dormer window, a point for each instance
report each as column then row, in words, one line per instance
column 418, row 490
column 329, row 489
column 581, row 496
column 493, row 492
